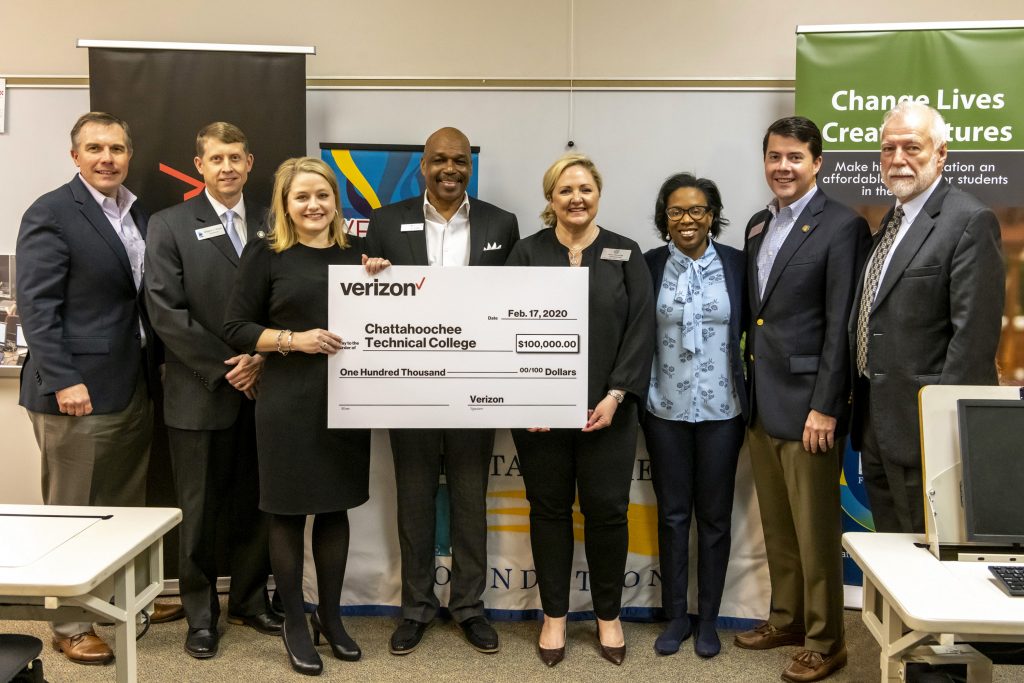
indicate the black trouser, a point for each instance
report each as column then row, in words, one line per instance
column 600, row 464
column 693, row 471
column 216, row 477
column 466, row 456
column 895, row 492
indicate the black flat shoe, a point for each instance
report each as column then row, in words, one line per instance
column 201, row 643
column 312, row 666
column 407, row 636
column 268, row 623
column 615, row 655
column 480, row 634
column 345, row 649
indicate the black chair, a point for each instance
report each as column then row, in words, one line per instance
column 19, row 659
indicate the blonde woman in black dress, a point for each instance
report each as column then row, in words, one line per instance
column 279, row 308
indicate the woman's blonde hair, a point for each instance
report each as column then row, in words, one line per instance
column 282, row 232
column 555, row 172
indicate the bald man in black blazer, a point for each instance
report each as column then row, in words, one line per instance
column 445, row 227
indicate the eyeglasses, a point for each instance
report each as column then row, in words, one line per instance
column 696, row 212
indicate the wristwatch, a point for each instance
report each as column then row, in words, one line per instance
column 617, row 394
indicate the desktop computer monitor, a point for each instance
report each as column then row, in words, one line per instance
column 992, row 459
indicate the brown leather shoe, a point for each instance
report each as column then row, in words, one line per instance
column 808, row 665
column 764, row 636
column 84, row 648
column 164, row 612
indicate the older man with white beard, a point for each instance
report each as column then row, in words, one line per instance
column 928, row 310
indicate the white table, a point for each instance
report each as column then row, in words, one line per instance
column 913, row 599
column 74, row 580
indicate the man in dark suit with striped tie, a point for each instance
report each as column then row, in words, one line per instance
column 928, row 311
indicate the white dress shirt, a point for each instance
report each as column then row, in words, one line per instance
column 447, row 240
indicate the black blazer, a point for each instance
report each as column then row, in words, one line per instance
column 936, row 318
column 735, row 269
column 78, row 304
column 492, row 233
column 797, row 345
column 188, row 283
column 621, row 310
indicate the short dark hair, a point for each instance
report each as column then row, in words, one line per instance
column 104, row 119
column 228, row 133
column 798, row 127
column 711, row 194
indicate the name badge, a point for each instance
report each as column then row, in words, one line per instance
column 411, row 227
column 209, row 231
column 756, row 230
column 615, row 254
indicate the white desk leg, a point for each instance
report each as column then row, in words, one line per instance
column 124, row 631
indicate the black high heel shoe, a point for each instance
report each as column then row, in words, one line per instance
column 554, row 655
column 615, row 655
column 346, row 649
column 313, row 666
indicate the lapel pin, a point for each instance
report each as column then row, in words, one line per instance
column 806, row 228
column 261, row 234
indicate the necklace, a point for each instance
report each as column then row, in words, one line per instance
column 576, row 253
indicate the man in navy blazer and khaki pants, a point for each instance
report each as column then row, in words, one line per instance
column 91, row 351
column 928, row 311
column 209, row 389
column 803, row 256
column 442, row 228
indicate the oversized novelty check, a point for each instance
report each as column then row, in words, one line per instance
column 458, row 347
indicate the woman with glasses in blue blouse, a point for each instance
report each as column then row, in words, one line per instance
column 694, row 421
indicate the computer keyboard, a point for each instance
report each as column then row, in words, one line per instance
column 1011, row 576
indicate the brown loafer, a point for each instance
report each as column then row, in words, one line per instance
column 808, row 665
column 764, row 636
column 84, row 648
column 164, row 612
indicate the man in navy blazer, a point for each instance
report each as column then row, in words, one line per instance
column 209, row 390
column 91, row 350
column 444, row 227
column 803, row 256
column 928, row 311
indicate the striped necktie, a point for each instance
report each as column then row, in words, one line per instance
column 871, row 281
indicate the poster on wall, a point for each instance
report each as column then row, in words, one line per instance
column 847, row 77
column 372, row 176
column 167, row 95
column 14, row 345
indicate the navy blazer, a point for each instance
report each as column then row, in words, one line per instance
column 797, row 346
column 735, row 270
column 78, row 303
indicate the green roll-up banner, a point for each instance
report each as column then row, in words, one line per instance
column 847, row 77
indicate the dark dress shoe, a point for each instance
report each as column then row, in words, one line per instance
column 164, row 612
column 407, row 636
column 84, row 648
column 552, row 655
column 344, row 648
column 201, row 643
column 764, row 636
column 305, row 665
column 480, row 634
column 267, row 623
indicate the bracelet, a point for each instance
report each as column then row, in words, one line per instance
column 617, row 394
column 284, row 352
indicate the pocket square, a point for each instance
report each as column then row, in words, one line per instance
column 492, row 246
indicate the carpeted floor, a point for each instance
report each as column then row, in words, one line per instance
column 444, row 655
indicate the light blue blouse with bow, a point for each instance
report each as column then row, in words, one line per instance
column 690, row 377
